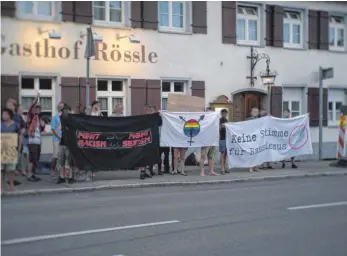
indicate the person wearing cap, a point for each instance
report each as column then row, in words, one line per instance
column 222, row 142
column 95, row 111
column 35, row 127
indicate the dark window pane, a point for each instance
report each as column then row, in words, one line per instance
column 45, row 84
column 117, row 86
column 178, row 87
column 165, row 86
column 330, row 106
column 102, row 85
column 27, row 83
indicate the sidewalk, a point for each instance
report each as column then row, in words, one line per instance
column 130, row 179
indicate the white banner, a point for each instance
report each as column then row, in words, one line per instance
column 267, row 139
column 189, row 129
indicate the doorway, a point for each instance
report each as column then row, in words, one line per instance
column 252, row 100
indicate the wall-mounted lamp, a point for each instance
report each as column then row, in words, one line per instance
column 131, row 38
column 97, row 38
column 51, row 33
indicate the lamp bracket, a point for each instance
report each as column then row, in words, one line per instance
column 255, row 57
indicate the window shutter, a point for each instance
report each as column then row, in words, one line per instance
column 67, row 10
column 199, row 17
column 154, row 93
column 278, row 26
column 312, row 29
column 313, row 106
column 198, row 89
column 92, row 90
column 70, row 93
column 8, row 8
column 136, row 14
column 9, row 88
column 84, row 12
column 150, row 15
column 269, row 25
column 228, row 22
column 138, row 96
column 323, row 30
column 276, row 101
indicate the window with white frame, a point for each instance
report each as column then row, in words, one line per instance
column 336, row 98
column 337, row 33
column 292, row 29
column 29, row 86
column 111, row 13
column 248, row 25
column 109, row 93
column 38, row 10
column 174, row 16
column 171, row 87
column 293, row 107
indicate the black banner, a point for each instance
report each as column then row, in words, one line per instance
column 110, row 143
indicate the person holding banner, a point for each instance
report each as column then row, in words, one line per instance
column 8, row 125
column 222, row 142
column 35, row 127
column 208, row 152
column 286, row 114
column 254, row 114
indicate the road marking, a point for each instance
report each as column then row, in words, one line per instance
column 86, row 232
column 317, row 206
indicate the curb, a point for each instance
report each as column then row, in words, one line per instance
column 167, row 184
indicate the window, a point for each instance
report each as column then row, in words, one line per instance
column 337, row 33
column 111, row 13
column 174, row 15
column 28, row 94
column 110, row 93
column 292, row 29
column 293, row 106
column 247, row 25
column 38, row 10
column 171, row 87
column 336, row 98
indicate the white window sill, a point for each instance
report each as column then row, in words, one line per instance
column 248, row 43
column 172, row 31
column 38, row 18
column 337, row 49
column 120, row 25
column 293, row 46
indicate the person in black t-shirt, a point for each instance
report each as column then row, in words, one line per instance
column 222, row 143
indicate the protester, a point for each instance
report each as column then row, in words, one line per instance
column 222, row 142
column 8, row 125
column 56, row 136
column 23, row 152
column 64, row 161
column 266, row 165
column 208, row 152
column 35, row 127
column 286, row 114
column 95, row 111
column 254, row 114
column 118, row 110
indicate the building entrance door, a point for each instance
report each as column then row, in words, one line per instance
column 252, row 100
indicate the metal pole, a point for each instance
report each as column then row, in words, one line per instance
column 320, row 113
column 269, row 101
column 87, row 84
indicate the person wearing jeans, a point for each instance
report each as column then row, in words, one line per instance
column 222, row 142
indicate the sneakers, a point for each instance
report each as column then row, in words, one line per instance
column 33, row 178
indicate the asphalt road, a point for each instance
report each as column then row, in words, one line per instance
column 244, row 219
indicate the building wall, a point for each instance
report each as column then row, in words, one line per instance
column 174, row 56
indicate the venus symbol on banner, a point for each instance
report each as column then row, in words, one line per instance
column 298, row 137
column 191, row 127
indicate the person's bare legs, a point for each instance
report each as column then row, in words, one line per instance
column 11, row 180
column 30, row 169
column 222, row 162
column 175, row 163
column 182, row 164
column 211, row 167
column 202, row 165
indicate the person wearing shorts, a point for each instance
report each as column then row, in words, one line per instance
column 208, row 152
column 8, row 125
column 179, row 159
column 56, row 136
column 222, row 143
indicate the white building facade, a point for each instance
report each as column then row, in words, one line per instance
column 196, row 48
